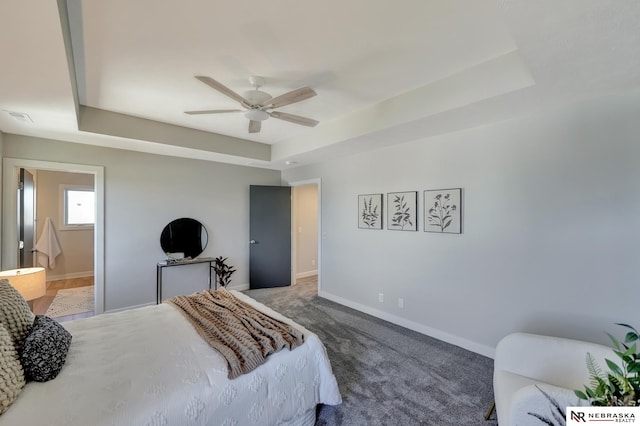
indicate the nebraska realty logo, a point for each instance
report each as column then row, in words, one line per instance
column 582, row 415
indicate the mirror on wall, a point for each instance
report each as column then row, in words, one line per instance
column 184, row 237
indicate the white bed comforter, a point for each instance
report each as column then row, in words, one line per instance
column 148, row 366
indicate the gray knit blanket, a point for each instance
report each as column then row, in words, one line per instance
column 243, row 335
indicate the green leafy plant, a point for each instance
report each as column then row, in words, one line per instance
column 620, row 386
column 222, row 270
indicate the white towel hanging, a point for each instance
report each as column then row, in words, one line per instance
column 48, row 247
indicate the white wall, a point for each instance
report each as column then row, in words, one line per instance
column 144, row 192
column 551, row 238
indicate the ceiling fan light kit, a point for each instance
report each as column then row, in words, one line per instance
column 257, row 103
column 256, row 115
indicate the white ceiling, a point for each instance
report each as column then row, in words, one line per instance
column 120, row 73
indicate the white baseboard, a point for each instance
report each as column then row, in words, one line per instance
column 307, row 274
column 411, row 325
column 69, row 276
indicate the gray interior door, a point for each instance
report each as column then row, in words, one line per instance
column 270, row 234
column 26, row 219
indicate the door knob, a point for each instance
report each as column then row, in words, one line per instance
column 253, row 242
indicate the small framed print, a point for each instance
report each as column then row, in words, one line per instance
column 402, row 211
column 370, row 211
column 443, row 211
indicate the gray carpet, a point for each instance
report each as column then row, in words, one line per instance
column 388, row 375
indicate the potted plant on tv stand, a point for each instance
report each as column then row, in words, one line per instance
column 223, row 271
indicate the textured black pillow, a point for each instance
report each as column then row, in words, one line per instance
column 45, row 350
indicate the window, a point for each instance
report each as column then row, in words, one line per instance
column 79, row 207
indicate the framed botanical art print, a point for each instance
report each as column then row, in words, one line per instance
column 443, row 211
column 370, row 211
column 402, row 210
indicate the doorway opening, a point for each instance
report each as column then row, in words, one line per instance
column 82, row 177
column 306, row 232
column 64, row 223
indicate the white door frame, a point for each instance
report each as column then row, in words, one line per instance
column 10, row 215
column 318, row 183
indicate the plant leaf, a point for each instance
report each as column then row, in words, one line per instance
column 581, row 395
column 621, row 324
column 631, row 337
column 615, row 341
column 614, row 367
column 633, row 367
column 631, row 351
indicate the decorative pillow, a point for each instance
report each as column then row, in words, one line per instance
column 11, row 373
column 541, row 403
column 45, row 350
column 15, row 314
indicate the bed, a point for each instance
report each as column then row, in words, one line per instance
column 148, row 366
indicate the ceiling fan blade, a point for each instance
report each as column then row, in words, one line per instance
column 254, row 126
column 291, row 97
column 212, row 111
column 222, row 88
column 294, row 118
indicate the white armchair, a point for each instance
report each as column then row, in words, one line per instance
column 556, row 365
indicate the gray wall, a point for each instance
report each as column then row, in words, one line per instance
column 551, row 228
column 143, row 193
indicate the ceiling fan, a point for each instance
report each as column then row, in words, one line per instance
column 258, row 105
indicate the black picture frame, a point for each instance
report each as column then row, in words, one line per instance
column 370, row 211
column 443, row 211
column 402, row 211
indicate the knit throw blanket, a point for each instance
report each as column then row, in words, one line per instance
column 243, row 335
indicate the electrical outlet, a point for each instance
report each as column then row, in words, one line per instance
column 313, row 262
column 380, row 297
column 400, row 303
